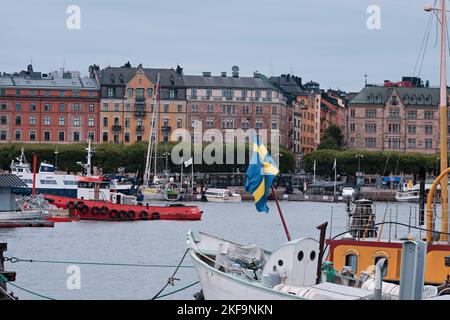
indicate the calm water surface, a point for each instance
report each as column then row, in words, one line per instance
column 158, row 242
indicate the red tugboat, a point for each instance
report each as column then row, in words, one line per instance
column 97, row 201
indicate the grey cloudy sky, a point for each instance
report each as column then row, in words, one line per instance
column 327, row 41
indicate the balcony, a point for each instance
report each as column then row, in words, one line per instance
column 166, row 129
column 206, row 98
column 140, row 112
column 139, row 129
column 116, row 128
column 140, row 100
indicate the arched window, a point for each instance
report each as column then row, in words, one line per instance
column 406, row 99
column 351, row 260
column 429, row 100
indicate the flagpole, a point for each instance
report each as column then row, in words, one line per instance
column 314, row 179
column 192, row 176
column 281, row 213
column 335, row 170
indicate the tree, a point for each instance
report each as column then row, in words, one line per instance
column 332, row 138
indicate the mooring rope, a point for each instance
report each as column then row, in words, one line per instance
column 16, row 260
column 173, row 292
column 2, row 278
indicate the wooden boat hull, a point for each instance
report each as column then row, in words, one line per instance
column 107, row 211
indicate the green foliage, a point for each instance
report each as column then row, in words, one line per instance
column 371, row 162
column 110, row 157
column 332, row 138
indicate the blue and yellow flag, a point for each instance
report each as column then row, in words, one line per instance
column 260, row 174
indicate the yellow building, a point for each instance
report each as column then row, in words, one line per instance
column 128, row 103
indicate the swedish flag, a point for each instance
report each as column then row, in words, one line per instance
column 260, row 174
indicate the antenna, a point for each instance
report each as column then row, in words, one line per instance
column 365, row 79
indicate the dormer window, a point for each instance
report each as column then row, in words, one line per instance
column 421, row 99
column 371, row 100
column 110, row 92
column 414, row 100
column 406, row 99
column 429, row 100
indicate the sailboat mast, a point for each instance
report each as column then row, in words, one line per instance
column 443, row 117
column 156, row 122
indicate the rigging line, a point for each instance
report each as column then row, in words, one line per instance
column 426, row 45
column 422, row 44
column 173, row 292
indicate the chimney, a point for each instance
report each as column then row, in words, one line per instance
column 206, row 74
column 224, row 74
column 235, row 71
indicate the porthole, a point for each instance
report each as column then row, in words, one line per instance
column 300, row 256
column 312, row 255
column 280, row 262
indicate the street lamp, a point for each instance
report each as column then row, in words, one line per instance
column 359, row 156
column 56, row 159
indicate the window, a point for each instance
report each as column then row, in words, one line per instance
column 352, row 127
column 3, row 135
column 352, row 113
column 32, row 107
column 110, row 92
column 17, row 92
column 127, row 107
column 62, row 107
column 179, row 123
column 209, row 123
column 371, row 113
column 428, row 129
column 394, row 100
column 228, row 123
column 259, row 110
column 208, row 93
column 245, row 124
column 394, row 128
column 139, row 138
column 130, row 92
column 91, row 135
column 105, row 106
column 61, row 93
column 258, row 124
column 245, row 109
column 47, row 107
column 76, row 107
column 91, row 122
column 428, row 143
column 274, row 110
column 210, row 108
column 179, row 108
column 229, row 109
column 32, row 135
column 47, row 121
column 105, row 121
column 394, row 143
column 76, row 136
column 194, row 108
column 116, row 107
column 127, row 122
column 127, row 136
column 411, row 143
column 91, row 108
column 394, row 113
column 18, row 135
column 269, row 95
column 166, row 108
column 105, row 137
column 378, row 258
column 371, row 142
column 32, row 121
column 411, row 115
column 412, row 129
column 257, row 94
column 46, row 135
column 18, row 120
column 76, row 121
column 428, row 115
column 193, row 93
column 351, row 260
column 274, row 125
column 3, row 120
column 227, row 93
column 61, row 135
column 18, row 107
column 371, row 127
column 149, row 92
column 3, row 106
column 62, row 121
column 172, row 94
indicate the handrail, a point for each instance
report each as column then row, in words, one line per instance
column 430, row 223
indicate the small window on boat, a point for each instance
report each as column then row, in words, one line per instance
column 351, row 260
column 300, row 256
column 280, row 262
column 312, row 255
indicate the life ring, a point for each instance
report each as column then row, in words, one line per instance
column 131, row 214
column 156, row 216
column 84, row 209
column 143, row 215
column 113, row 213
column 104, row 211
column 122, row 214
column 95, row 211
column 79, row 205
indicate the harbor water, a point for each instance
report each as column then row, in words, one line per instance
column 162, row 242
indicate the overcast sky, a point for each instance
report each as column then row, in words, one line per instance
column 327, row 41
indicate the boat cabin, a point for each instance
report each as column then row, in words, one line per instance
column 100, row 188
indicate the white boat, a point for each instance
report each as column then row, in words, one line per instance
column 407, row 196
column 229, row 271
column 222, row 195
column 50, row 182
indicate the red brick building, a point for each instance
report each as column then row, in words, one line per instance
column 59, row 107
